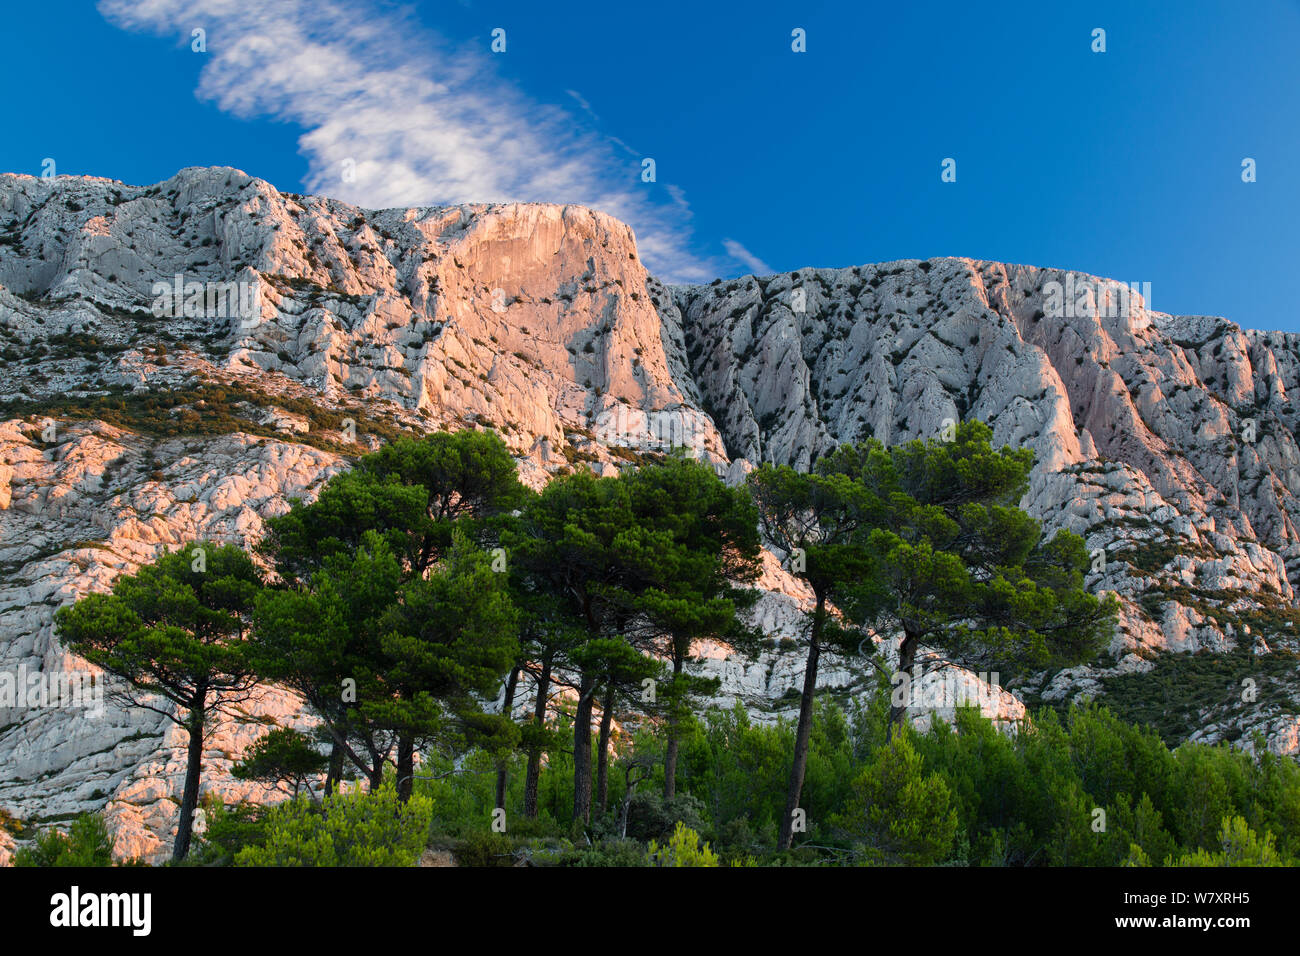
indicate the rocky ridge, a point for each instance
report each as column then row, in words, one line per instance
column 183, row 360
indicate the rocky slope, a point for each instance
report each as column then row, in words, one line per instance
column 184, row 359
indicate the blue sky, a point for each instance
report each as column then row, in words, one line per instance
column 1126, row 163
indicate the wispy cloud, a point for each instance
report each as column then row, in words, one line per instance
column 421, row 122
column 746, row 258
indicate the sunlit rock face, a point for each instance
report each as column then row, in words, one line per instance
column 1166, row 441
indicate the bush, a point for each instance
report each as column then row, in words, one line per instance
column 685, row 848
column 607, row 853
column 86, row 843
column 651, row 817
column 350, row 829
column 1239, row 846
column 541, row 827
column 283, row 759
column 737, row 840
column 485, row 849
column 227, row 830
column 898, row 812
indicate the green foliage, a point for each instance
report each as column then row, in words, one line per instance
column 399, row 621
column 200, row 409
column 282, row 758
column 927, row 538
column 607, row 853
column 86, row 843
column 466, row 475
column 415, row 649
column 450, row 635
column 351, row 506
column 617, row 573
column 325, row 642
column 964, row 795
column 739, row 769
column 484, row 848
column 684, row 848
column 1032, row 798
column 652, row 817
column 461, row 791
column 175, row 627
column 394, row 621
column 227, row 830
column 953, row 562
column 413, row 492
column 897, row 812
column 1239, row 845
column 352, row 829
column 1176, row 693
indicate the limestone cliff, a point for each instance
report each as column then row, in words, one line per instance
column 183, row 360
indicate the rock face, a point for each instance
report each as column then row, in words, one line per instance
column 185, row 359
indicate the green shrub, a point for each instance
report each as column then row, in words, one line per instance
column 284, row 758
column 606, row 853
column 227, row 830
column 685, row 848
column 204, row 409
column 1239, row 845
column 899, row 813
column 651, row 817
column 86, row 843
column 351, row 829
column 485, row 849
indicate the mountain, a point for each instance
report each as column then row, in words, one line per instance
column 183, row 360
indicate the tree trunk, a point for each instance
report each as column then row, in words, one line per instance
column 602, row 760
column 628, row 792
column 803, row 730
column 535, row 750
column 335, row 774
column 193, row 772
column 372, row 763
column 375, row 771
column 507, row 710
column 582, row 752
column 906, row 660
column 670, row 754
column 405, row 767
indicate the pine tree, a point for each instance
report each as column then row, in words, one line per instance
column 694, row 579
column 953, row 563
column 898, row 811
column 415, row 495
column 567, row 544
column 386, row 660
column 926, row 539
column 175, row 629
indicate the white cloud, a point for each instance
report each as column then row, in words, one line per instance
column 424, row 123
column 582, row 102
column 746, row 258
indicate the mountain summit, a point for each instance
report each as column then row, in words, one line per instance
column 182, row 360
